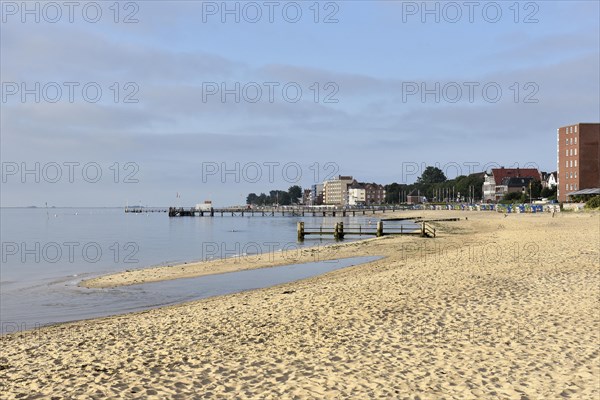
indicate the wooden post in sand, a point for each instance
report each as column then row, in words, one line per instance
column 423, row 228
column 380, row 229
column 300, row 231
column 338, row 231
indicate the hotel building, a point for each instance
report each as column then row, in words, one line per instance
column 578, row 158
column 335, row 191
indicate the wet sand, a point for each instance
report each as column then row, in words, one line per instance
column 494, row 307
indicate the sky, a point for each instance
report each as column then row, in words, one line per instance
column 164, row 103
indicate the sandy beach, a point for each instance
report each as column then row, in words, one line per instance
column 494, row 307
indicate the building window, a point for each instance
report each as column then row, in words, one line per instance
column 575, row 128
column 567, row 152
column 575, row 152
column 575, row 162
column 575, row 139
column 575, row 175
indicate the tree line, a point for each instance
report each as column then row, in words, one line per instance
column 281, row 197
column 434, row 185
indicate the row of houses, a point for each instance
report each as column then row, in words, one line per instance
column 578, row 167
column 578, row 172
column 344, row 191
column 500, row 181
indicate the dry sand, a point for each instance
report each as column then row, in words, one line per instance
column 493, row 308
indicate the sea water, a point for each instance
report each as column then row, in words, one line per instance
column 47, row 252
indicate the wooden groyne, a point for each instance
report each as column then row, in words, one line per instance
column 339, row 232
column 436, row 220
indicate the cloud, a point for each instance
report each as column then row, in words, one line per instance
column 369, row 131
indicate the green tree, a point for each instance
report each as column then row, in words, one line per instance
column 280, row 197
column 392, row 193
column 252, row 199
column 263, row 200
column 548, row 192
column 431, row 175
column 535, row 188
column 464, row 184
column 511, row 197
column 593, row 203
column 295, row 192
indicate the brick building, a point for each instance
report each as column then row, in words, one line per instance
column 578, row 158
column 360, row 193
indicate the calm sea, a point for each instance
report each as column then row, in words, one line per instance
column 47, row 252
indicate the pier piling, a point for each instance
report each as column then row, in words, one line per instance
column 300, row 231
column 338, row 233
column 380, row 228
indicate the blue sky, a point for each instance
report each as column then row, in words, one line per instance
column 374, row 63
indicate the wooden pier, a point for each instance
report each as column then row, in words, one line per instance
column 338, row 232
column 273, row 212
column 139, row 210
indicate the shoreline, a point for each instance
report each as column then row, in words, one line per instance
column 196, row 269
column 347, row 262
column 492, row 307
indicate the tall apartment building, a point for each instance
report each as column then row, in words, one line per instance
column 335, row 191
column 316, row 195
column 578, row 158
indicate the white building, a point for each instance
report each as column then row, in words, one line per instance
column 357, row 196
column 489, row 188
column 549, row 180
